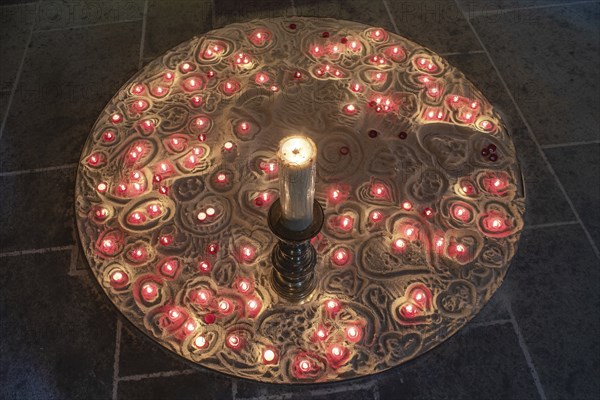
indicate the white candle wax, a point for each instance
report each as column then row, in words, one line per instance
column 297, row 168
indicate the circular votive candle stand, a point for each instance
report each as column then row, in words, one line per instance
column 379, row 231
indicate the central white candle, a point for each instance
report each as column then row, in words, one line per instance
column 297, row 157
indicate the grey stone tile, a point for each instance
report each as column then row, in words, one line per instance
column 15, row 2
column 15, row 29
column 545, row 202
column 38, row 210
column 59, row 14
column 361, row 388
column 3, row 104
column 554, row 72
column 367, row 12
column 494, row 310
column 58, row 339
column 169, row 23
column 437, row 24
column 473, row 6
column 205, row 386
column 68, row 77
column 553, row 289
column 480, row 363
column 578, row 168
column 231, row 11
column 140, row 355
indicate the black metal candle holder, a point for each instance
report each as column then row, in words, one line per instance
column 294, row 257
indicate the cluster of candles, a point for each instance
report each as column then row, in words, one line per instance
column 295, row 167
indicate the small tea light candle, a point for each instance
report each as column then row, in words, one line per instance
column 297, row 160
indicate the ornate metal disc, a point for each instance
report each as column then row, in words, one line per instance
column 417, row 175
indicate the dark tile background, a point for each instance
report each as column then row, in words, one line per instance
column 537, row 61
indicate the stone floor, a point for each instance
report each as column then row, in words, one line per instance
column 537, row 60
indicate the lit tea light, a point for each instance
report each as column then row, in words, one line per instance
column 340, row 256
column 356, row 88
column 168, row 76
column 399, row 245
column 376, row 216
column 335, row 195
column 166, row 240
column 269, row 356
column 210, row 211
column 136, row 218
column 108, row 136
column 225, row 306
column 434, row 91
column 378, row 190
column 350, row 109
column 234, row 341
column 409, row 311
column 378, row 34
column 316, row 51
column 137, row 254
column 346, row 223
column 116, row 118
column 248, row 253
column 439, row 243
column 228, row 146
column 138, row 89
column 186, row 67
column 147, row 126
column 486, row 125
column 305, row 365
column 159, row 91
column 100, row 213
column 119, row 279
column 169, row 267
column 461, row 213
column 94, row 160
column 353, row 334
column 212, row 248
column 411, row 232
column 192, row 84
column 337, row 352
column 252, row 305
column 204, row 266
column 260, row 37
column 407, row 205
column 149, row 291
column 190, row 327
column 261, row 78
column 202, row 297
column 174, row 314
column 230, row 87
column 244, row 286
column 200, row 342
column 243, row 127
column 321, row 333
column 332, row 306
column 297, row 161
column 221, row 178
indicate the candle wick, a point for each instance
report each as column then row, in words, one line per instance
column 296, row 151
